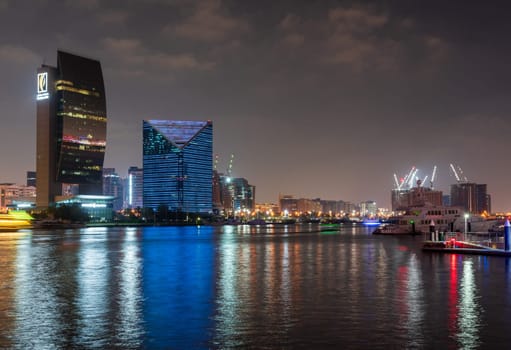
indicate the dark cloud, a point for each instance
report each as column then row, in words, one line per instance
column 209, row 22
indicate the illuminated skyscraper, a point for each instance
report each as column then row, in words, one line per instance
column 112, row 186
column 71, row 127
column 178, row 165
column 135, row 187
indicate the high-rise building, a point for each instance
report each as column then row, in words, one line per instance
column 112, row 186
column 470, row 196
column 12, row 195
column 368, row 208
column 178, row 165
column 31, row 178
column 415, row 197
column 134, row 188
column 242, row 194
column 71, row 127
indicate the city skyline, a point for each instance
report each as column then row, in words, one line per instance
column 315, row 99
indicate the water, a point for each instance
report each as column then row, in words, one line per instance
column 246, row 287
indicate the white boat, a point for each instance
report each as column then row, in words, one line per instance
column 442, row 218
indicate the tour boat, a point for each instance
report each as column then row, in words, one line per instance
column 14, row 220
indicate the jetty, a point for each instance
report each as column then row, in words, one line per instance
column 445, row 244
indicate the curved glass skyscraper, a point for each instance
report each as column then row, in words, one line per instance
column 178, row 165
column 71, row 127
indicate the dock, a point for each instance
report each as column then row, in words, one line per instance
column 461, row 247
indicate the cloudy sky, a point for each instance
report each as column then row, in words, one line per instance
column 315, row 98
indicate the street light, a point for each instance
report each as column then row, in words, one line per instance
column 466, row 217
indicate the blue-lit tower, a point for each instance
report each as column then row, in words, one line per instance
column 178, row 165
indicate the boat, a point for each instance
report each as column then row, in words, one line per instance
column 329, row 227
column 14, row 220
column 393, row 229
column 439, row 218
column 454, row 246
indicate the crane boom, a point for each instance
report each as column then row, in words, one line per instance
column 412, row 177
column 397, row 182
column 432, row 177
column 216, row 162
column 455, row 173
column 462, row 175
column 229, row 168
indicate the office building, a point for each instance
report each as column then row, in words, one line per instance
column 242, row 194
column 112, row 186
column 178, row 165
column 368, row 208
column 16, row 196
column 470, row 196
column 71, row 127
column 134, row 188
column 31, row 178
column 415, row 197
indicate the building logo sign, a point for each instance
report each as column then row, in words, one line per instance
column 42, row 86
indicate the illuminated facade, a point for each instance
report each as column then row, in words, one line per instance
column 97, row 208
column 16, row 196
column 178, row 165
column 135, row 187
column 112, row 186
column 71, row 127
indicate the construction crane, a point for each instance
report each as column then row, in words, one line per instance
column 412, row 177
column 229, row 167
column 398, row 186
column 459, row 177
column 462, row 176
column 215, row 163
column 432, row 178
column 408, row 178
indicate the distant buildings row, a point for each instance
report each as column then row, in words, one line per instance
column 293, row 205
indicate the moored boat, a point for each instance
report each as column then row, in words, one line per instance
column 392, row 229
column 14, row 220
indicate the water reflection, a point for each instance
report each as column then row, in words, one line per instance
column 469, row 309
column 93, row 276
column 245, row 287
column 414, row 308
column 40, row 308
column 129, row 325
column 465, row 311
column 8, row 252
column 178, row 286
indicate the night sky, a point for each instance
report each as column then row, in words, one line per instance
column 315, row 98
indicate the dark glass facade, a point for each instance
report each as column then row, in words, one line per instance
column 178, row 165
column 71, row 127
column 472, row 197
